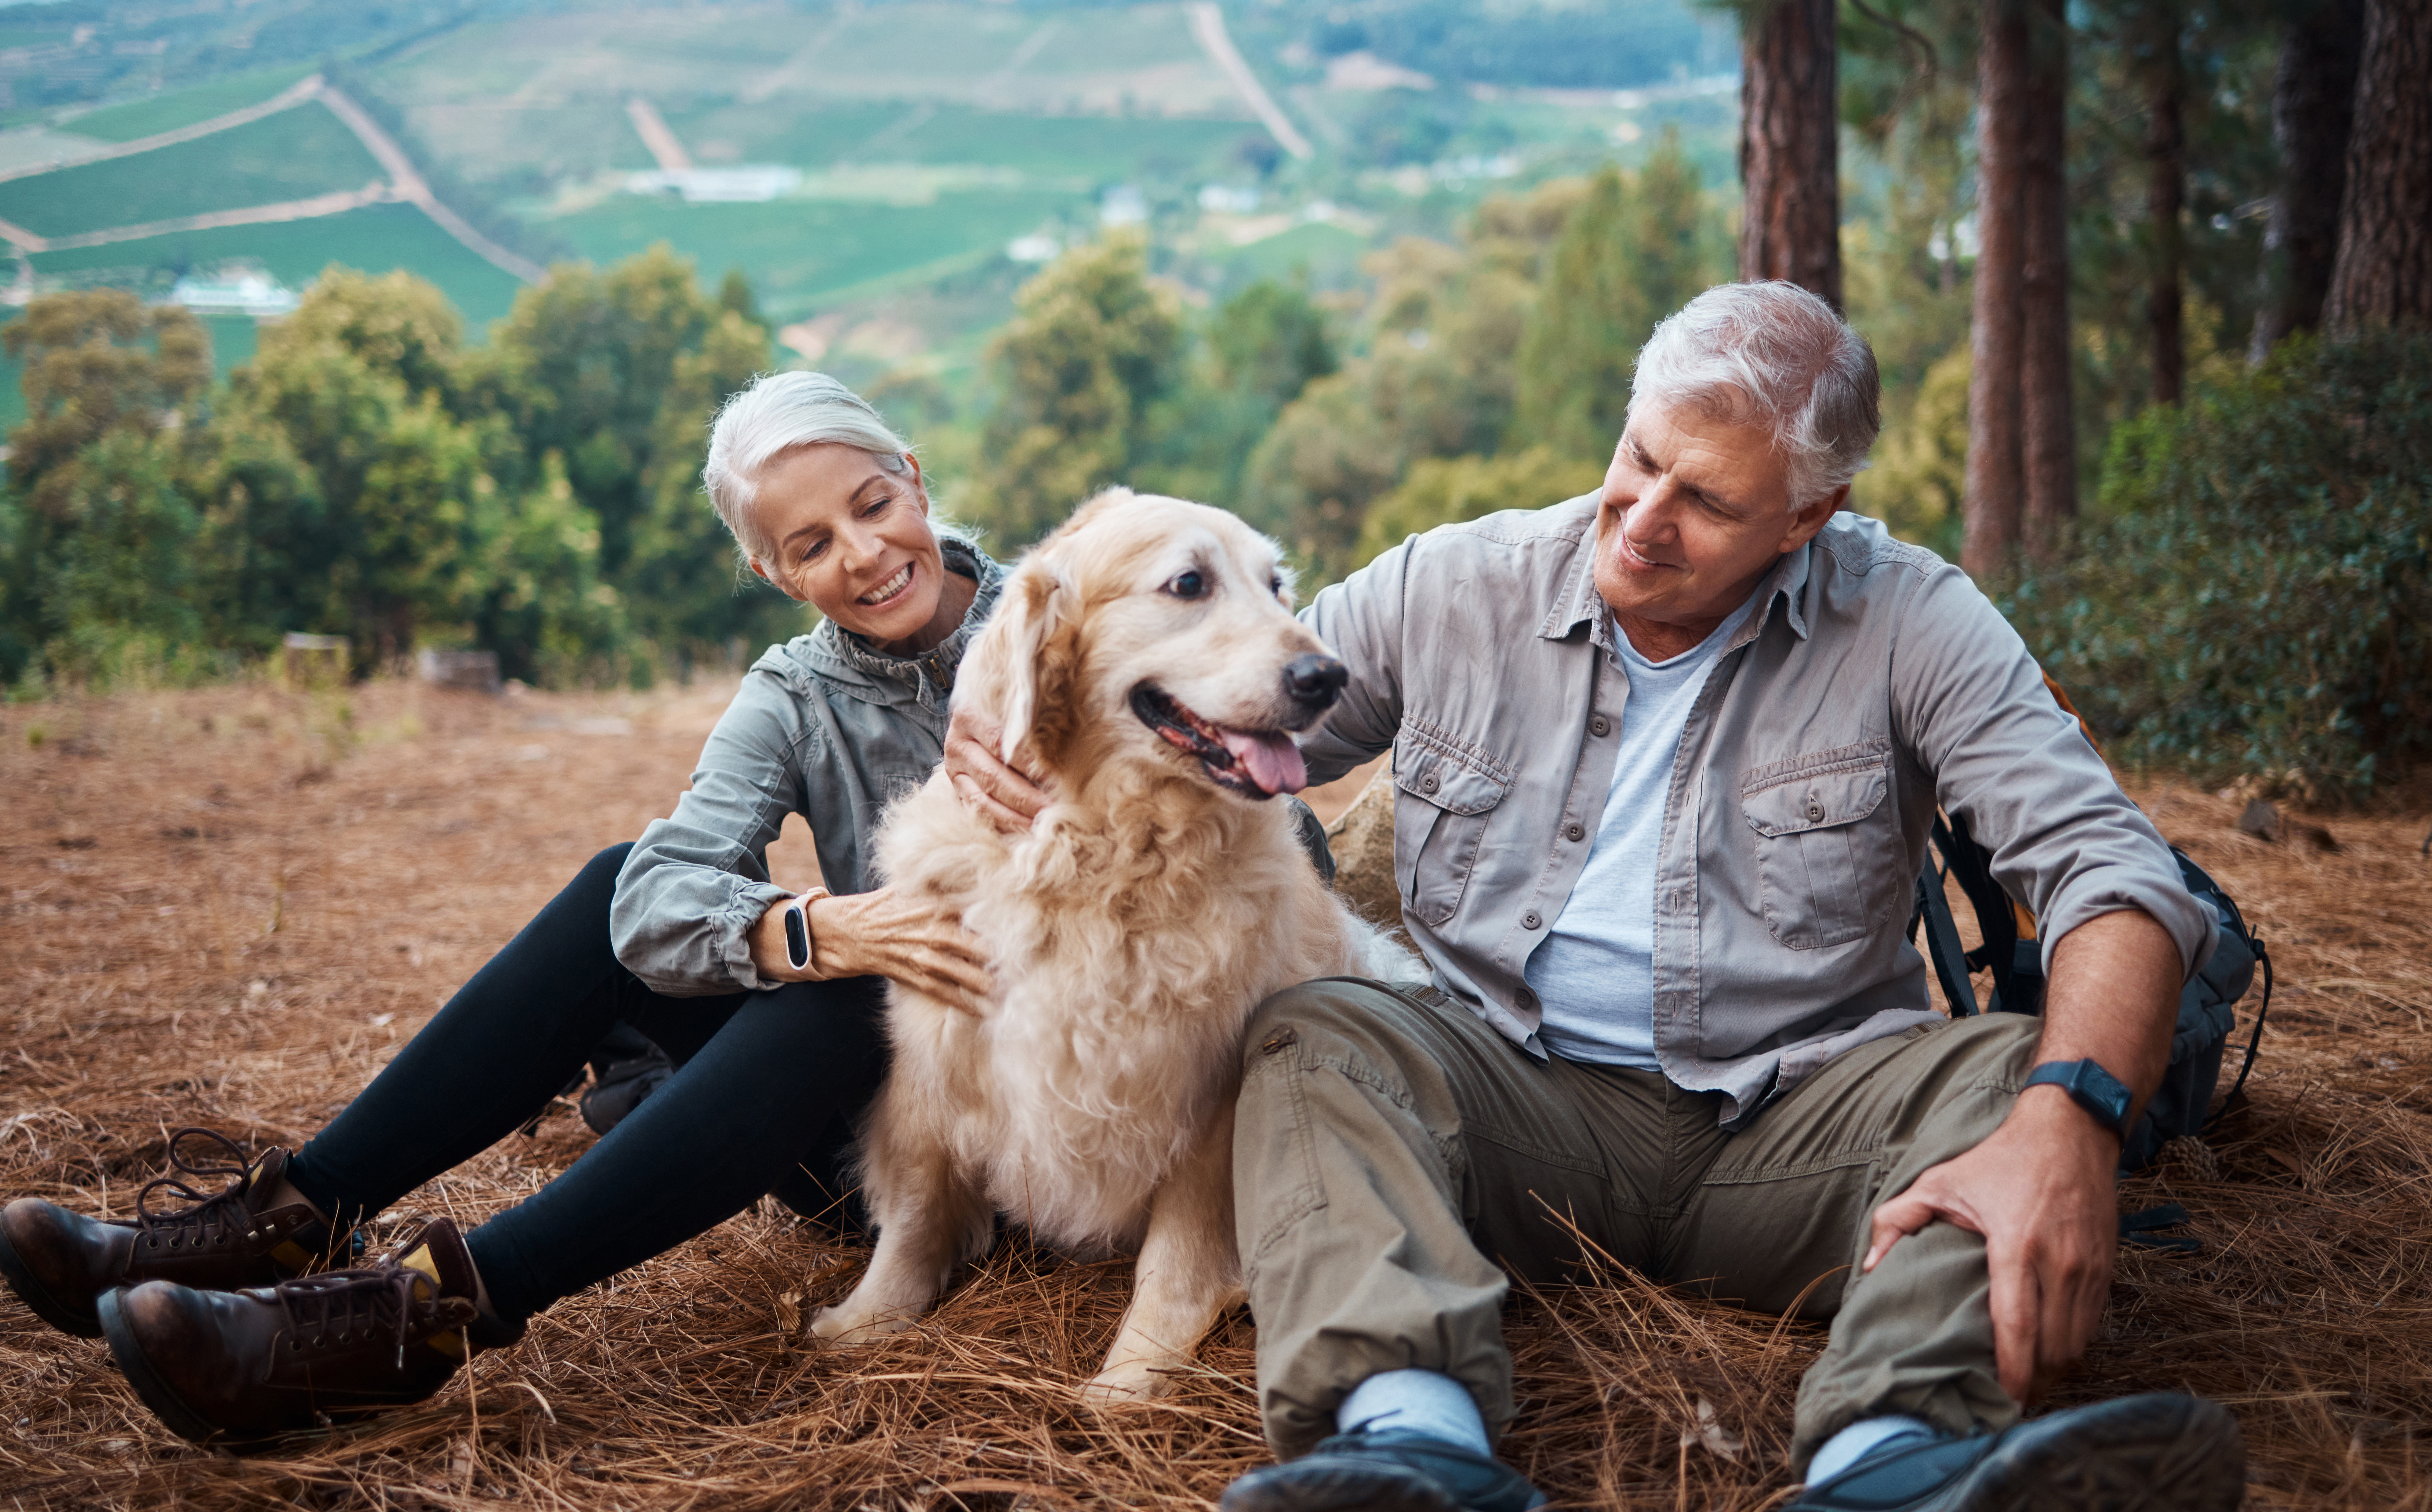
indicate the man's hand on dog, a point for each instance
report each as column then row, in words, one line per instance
column 903, row 937
column 1005, row 794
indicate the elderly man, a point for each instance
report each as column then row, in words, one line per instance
column 1667, row 759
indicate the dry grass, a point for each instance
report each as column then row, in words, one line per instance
column 229, row 907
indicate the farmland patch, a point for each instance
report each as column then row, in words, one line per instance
column 138, row 119
column 291, row 155
column 373, row 239
column 800, row 251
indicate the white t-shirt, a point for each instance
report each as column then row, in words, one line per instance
column 1595, row 973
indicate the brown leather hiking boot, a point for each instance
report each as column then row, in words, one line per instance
column 61, row 1262
column 247, row 1365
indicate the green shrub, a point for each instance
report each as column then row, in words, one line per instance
column 1447, row 490
column 2256, row 596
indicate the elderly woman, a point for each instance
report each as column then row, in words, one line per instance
column 769, row 1003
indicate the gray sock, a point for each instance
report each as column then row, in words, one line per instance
column 1421, row 1402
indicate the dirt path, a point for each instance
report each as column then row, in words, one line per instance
column 409, row 185
column 1207, row 29
column 230, row 907
column 287, row 99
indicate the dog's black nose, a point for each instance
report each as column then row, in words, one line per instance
column 1315, row 680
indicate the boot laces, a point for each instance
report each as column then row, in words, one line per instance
column 319, row 1307
column 208, row 1210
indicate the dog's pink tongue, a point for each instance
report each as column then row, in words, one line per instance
column 1272, row 761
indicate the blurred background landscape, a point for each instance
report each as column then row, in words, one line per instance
column 403, row 322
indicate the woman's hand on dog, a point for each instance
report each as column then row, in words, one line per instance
column 906, row 938
column 1003, row 794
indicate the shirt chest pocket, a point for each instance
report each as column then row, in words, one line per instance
column 1439, row 820
column 1828, row 849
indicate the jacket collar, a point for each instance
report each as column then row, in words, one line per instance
column 1575, row 601
column 854, row 667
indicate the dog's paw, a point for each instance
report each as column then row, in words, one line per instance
column 844, row 1327
column 1126, row 1384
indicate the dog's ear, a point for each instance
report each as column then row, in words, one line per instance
column 1038, row 628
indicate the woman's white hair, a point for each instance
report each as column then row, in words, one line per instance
column 1774, row 353
column 778, row 413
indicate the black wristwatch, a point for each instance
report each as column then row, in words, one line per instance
column 2093, row 1088
column 798, row 929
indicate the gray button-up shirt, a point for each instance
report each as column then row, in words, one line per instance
column 1873, row 684
column 822, row 726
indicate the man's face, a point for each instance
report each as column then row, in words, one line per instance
column 1695, row 511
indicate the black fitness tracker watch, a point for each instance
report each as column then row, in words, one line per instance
column 798, row 929
column 2091, row 1087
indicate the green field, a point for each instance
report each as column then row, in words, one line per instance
column 138, row 119
column 289, row 155
column 375, row 239
column 981, row 57
column 1095, row 149
column 800, row 252
column 1328, row 256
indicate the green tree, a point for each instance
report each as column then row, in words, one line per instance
column 1447, row 490
column 1637, row 248
column 395, row 324
column 1436, row 378
column 1092, row 347
column 1254, row 354
column 109, row 385
column 343, row 503
column 543, row 607
column 1269, row 341
column 582, row 366
column 681, row 581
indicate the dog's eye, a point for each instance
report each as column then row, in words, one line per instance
column 1189, row 584
column 1276, row 585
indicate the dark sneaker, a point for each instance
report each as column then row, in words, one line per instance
column 245, row 1365
column 61, row 1263
column 625, row 1069
column 2158, row 1453
column 1390, row 1470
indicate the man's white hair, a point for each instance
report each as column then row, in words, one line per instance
column 1771, row 353
column 778, row 413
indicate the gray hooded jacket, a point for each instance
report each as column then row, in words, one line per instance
column 823, row 726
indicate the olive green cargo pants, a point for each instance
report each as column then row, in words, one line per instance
column 1390, row 1149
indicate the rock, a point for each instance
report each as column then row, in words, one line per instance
column 1362, row 843
column 469, row 671
column 2262, row 820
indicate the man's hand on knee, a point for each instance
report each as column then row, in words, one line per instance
column 2041, row 1192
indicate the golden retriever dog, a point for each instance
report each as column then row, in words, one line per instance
column 1145, row 655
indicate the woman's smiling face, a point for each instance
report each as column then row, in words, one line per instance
column 853, row 540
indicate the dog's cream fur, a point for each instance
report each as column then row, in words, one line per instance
column 1130, row 932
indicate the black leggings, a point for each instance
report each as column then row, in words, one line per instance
column 764, row 1099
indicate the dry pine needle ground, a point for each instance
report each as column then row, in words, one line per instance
column 229, row 907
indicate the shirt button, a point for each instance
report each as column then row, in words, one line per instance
column 1427, row 783
column 1529, row 920
column 1815, row 811
column 1599, row 724
column 1572, row 831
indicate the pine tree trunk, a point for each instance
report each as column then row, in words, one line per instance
column 2313, row 104
column 1789, row 153
column 2384, row 271
column 1990, row 540
column 2166, row 194
column 2046, row 412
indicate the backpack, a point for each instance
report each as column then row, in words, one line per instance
column 2011, row 951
